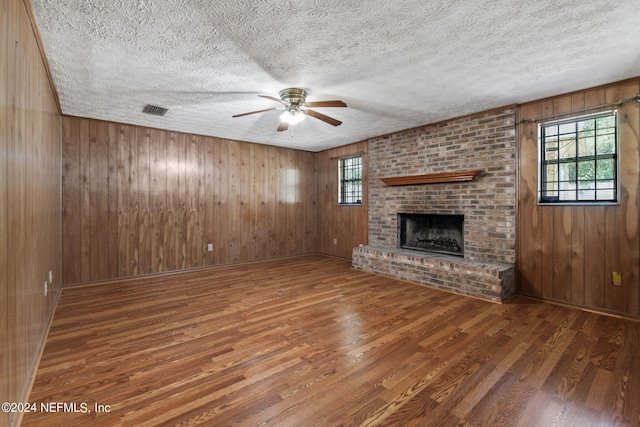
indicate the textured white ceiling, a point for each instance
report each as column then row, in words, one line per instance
column 396, row 64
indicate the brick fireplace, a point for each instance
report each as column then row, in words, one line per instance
column 484, row 143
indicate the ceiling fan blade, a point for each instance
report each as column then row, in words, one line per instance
column 336, row 103
column 273, row 98
column 283, row 126
column 255, row 112
column 324, row 118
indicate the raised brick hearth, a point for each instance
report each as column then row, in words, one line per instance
column 485, row 142
column 492, row 281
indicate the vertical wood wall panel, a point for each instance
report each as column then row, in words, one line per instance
column 594, row 232
column 288, row 196
column 221, row 218
column 30, row 196
column 192, row 177
column 148, row 201
column 122, row 184
column 244, row 206
column 71, row 197
column 144, row 190
column 5, row 382
column 173, row 235
column 233, row 208
column 99, row 199
column 85, row 202
column 157, row 199
column 17, row 201
column 201, row 204
column 281, row 206
column 273, row 205
column 260, row 203
column 577, row 256
column 529, row 228
column 582, row 245
column 310, row 197
column 112, row 183
column 208, row 199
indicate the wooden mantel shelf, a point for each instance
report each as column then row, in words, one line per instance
column 432, row 178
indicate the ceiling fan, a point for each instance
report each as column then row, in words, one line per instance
column 297, row 108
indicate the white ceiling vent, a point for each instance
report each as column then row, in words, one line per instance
column 154, row 110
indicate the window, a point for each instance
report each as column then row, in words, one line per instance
column 350, row 178
column 578, row 160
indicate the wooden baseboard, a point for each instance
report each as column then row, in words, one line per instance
column 588, row 309
column 178, row 272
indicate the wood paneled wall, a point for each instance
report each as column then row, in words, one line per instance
column 139, row 200
column 347, row 224
column 568, row 253
column 30, row 212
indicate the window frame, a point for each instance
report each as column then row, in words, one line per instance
column 342, row 181
column 556, row 201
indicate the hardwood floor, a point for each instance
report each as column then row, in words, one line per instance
column 308, row 341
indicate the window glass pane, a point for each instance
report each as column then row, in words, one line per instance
column 601, row 132
column 567, row 147
column 586, row 170
column 586, row 194
column 551, row 148
column 605, row 169
column 568, row 172
column 605, row 190
column 587, row 126
column 586, row 144
column 607, row 144
column 606, row 123
column 567, row 129
column 551, row 173
column 586, row 190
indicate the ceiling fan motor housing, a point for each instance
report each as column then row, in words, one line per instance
column 293, row 95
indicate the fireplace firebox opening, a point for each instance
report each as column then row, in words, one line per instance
column 431, row 233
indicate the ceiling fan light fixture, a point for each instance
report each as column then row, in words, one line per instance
column 293, row 117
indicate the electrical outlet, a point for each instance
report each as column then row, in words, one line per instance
column 335, row 241
column 210, row 247
column 617, row 278
column 45, row 288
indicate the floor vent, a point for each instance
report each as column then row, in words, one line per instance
column 154, row 110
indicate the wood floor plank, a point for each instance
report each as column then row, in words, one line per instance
column 310, row 341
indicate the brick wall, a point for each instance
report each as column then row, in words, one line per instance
column 485, row 141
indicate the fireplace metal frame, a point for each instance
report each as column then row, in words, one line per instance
column 429, row 243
